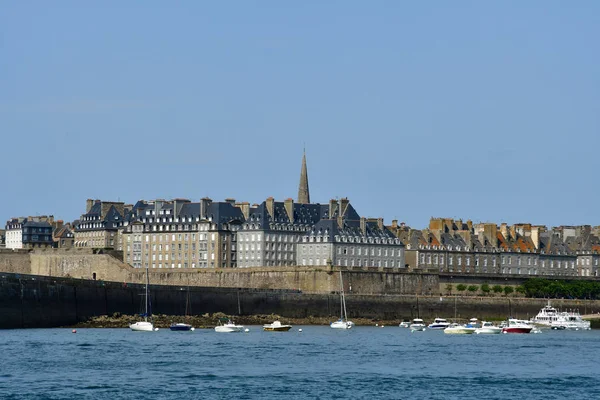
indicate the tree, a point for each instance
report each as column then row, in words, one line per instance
column 508, row 290
column 473, row 288
column 461, row 287
column 520, row 289
column 497, row 289
column 485, row 288
column 449, row 288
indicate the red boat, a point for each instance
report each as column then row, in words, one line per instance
column 517, row 326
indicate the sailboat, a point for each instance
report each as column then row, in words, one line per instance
column 343, row 322
column 180, row 326
column 145, row 325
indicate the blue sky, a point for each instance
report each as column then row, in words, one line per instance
column 487, row 111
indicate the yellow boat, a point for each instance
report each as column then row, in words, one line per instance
column 277, row 327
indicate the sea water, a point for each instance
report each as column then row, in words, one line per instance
column 317, row 363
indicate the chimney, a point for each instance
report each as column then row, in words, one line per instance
column 204, row 204
column 88, row 205
column 230, row 201
column 535, row 236
column 332, row 208
column 127, row 208
column 380, row 223
column 470, row 225
column 177, row 205
column 513, row 231
column 343, row 204
column 245, row 208
column 271, row 207
column 363, row 225
column 504, row 230
column 395, row 223
column 289, row 208
column 158, row 204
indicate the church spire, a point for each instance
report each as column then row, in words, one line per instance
column 303, row 193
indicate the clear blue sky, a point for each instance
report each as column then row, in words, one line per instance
column 478, row 110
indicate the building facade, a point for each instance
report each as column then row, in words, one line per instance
column 100, row 226
column 29, row 233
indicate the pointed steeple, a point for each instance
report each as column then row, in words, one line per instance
column 303, row 193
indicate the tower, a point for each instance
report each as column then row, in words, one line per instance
column 303, row 193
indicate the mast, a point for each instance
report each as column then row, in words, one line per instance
column 343, row 305
column 147, row 283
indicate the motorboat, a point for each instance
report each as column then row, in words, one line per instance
column 488, row 328
column 277, row 327
column 404, row 324
column 439, row 323
column 343, row 322
column 417, row 325
column 474, row 323
column 228, row 327
column 180, row 326
column 516, row 326
column 459, row 329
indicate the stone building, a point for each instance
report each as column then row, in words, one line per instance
column 521, row 249
column 182, row 234
column 63, row 235
column 99, row 226
column 30, row 232
column 346, row 239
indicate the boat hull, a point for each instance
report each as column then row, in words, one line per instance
column 342, row 325
column 277, row 329
column 414, row 328
column 516, row 330
column 488, row 331
column 142, row 326
column 229, row 328
column 181, row 327
column 460, row 331
column 438, row 326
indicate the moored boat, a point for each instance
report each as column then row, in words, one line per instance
column 276, row 327
column 488, row 328
column 459, row 329
column 180, row 326
column 439, row 323
column 516, row 326
column 417, row 325
column 228, row 327
column 404, row 324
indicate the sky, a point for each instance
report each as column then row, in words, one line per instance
column 488, row 111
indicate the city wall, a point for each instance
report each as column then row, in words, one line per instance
column 28, row 301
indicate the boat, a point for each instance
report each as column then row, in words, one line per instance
column 228, row 327
column 343, row 322
column 459, row 329
column 145, row 325
column 488, row 328
column 439, row 323
column 516, row 326
column 551, row 317
column 180, row 326
column 404, row 324
column 277, row 327
column 474, row 323
column 417, row 325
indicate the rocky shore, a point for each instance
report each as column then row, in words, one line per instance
column 209, row 321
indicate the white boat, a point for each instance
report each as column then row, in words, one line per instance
column 404, row 324
column 488, row 328
column 417, row 325
column 277, row 327
column 439, row 323
column 145, row 325
column 343, row 322
column 459, row 329
column 551, row 317
column 228, row 327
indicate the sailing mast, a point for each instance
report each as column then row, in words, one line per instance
column 147, row 283
column 343, row 302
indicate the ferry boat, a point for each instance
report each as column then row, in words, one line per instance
column 439, row 323
column 551, row 317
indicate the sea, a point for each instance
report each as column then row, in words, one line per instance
column 308, row 362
